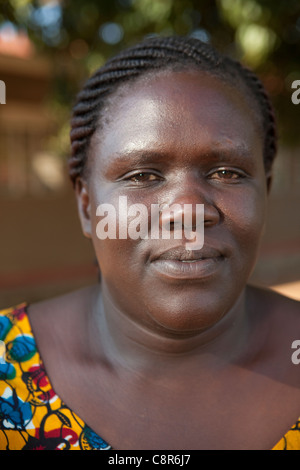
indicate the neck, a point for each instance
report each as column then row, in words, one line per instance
column 129, row 344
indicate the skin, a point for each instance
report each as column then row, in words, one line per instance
column 183, row 354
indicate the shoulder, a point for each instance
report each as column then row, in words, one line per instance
column 275, row 340
column 59, row 323
column 275, row 316
column 61, row 312
column 277, row 320
column 273, row 302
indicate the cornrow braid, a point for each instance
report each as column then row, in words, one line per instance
column 160, row 53
column 265, row 108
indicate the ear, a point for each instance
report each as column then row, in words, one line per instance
column 83, row 205
column 269, row 180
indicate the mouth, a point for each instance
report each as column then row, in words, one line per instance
column 179, row 263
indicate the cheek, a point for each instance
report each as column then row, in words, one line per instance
column 245, row 216
column 122, row 218
column 116, row 227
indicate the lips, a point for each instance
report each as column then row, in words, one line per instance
column 181, row 254
column 179, row 263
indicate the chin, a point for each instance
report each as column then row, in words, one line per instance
column 186, row 315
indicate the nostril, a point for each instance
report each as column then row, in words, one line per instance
column 188, row 216
column 178, row 216
column 212, row 215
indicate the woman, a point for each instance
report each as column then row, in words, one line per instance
column 172, row 349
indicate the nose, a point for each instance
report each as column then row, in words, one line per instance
column 186, row 204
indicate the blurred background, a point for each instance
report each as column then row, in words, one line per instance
column 48, row 49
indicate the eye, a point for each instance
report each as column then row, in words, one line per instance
column 140, row 177
column 143, row 177
column 227, row 175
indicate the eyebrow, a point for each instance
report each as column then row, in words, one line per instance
column 140, row 157
column 134, row 158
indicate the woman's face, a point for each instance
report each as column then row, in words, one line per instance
column 177, row 138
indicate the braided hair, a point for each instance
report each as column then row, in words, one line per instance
column 151, row 56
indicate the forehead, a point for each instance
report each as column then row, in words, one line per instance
column 176, row 110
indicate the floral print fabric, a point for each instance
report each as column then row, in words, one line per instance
column 291, row 440
column 32, row 416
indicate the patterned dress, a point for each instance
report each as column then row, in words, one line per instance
column 32, row 416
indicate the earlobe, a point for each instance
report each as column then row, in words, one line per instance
column 83, row 205
column 269, row 180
